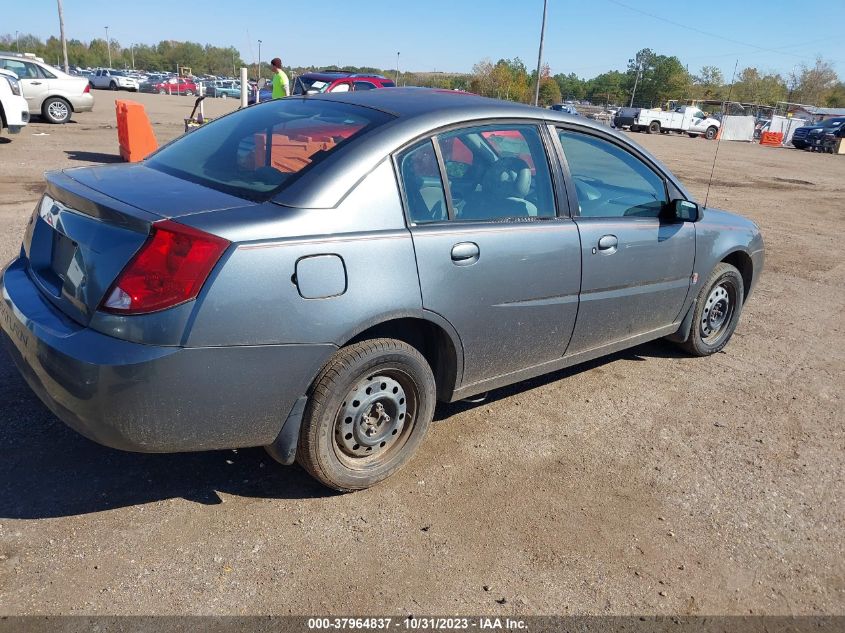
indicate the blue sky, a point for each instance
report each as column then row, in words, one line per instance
column 582, row 37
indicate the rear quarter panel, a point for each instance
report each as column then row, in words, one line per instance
column 254, row 298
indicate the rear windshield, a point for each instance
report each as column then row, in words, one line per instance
column 255, row 152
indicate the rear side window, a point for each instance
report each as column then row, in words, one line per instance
column 497, row 172
column 386, row 83
column 255, row 152
column 363, row 85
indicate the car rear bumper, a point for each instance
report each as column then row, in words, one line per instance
column 83, row 102
column 149, row 398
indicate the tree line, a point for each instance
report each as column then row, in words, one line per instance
column 658, row 78
column 166, row 55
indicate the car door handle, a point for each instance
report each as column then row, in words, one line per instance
column 608, row 243
column 34, row 83
column 465, row 253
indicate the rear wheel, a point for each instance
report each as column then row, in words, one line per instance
column 635, row 128
column 654, row 127
column 56, row 110
column 367, row 414
column 691, row 135
column 189, row 93
column 711, row 133
column 717, row 310
column 112, row 86
column 162, row 91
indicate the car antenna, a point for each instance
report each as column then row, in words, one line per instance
column 719, row 139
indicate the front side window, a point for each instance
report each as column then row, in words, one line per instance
column 497, row 172
column 609, row 181
column 363, row 85
column 422, row 184
column 255, row 152
column 344, row 87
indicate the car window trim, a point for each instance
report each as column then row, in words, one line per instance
column 570, row 184
column 444, row 179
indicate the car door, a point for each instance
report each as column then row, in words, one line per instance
column 637, row 265
column 33, row 86
column 495, row 259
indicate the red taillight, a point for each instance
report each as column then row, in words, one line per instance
column 170, row 269
column 87, row 88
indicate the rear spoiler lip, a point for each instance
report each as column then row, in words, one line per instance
column 83, row 199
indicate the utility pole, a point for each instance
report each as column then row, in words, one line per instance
column 540, row 54
column 17, row 43
column 397, row 68
column 259, row 60
column 108, row 45
column 132, row 48
column 636, row 80
column 62, row 33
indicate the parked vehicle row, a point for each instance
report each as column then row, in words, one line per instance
column 316, row 286
column 48, row 91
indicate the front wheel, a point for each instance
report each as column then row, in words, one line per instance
column 189, row 93
column 112, row 86
column 711, row 133
column 367, row 414
column 716, row 312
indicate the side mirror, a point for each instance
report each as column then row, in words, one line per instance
column 686, row 210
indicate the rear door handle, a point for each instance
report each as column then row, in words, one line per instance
column 35, row 83
column 608, row 243
column 465, row 253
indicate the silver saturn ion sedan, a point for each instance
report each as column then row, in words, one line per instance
column 313, row 274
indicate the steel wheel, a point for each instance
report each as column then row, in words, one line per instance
column 375, row 419
column 367, row 413
column 717, row 312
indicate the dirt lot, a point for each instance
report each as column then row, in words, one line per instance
column 648, row 482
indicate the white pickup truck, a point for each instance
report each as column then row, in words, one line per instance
column 14, row 111
column 109, row 79
column 687, row 119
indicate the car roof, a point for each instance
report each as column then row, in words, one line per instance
column 339, row 74
column 418, row 112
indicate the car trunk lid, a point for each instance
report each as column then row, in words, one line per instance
column 153, row 191
column 81, row 237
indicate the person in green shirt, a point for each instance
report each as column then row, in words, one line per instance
column 281, row 84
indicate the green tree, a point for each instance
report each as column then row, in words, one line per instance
column 549, row 92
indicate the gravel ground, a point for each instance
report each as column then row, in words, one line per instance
column 646, row 482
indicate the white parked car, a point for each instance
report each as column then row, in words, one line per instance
column 109, row 79
column 687, row 119
column 48, row 91
column 14, row 112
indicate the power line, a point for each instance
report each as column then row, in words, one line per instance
column 702, row 32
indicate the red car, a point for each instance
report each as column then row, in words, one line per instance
column 180, row 86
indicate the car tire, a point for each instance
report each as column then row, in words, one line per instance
column 693, row 135
column 112, row 86
column 711, row 133
column 634, row 128
column 162, row 91
column 367, row 413
column 716, row 311
column 189, row 93
column 654, row 127
column 56, row 110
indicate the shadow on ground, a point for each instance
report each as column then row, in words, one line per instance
column 93, row 157
column 48, row 470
